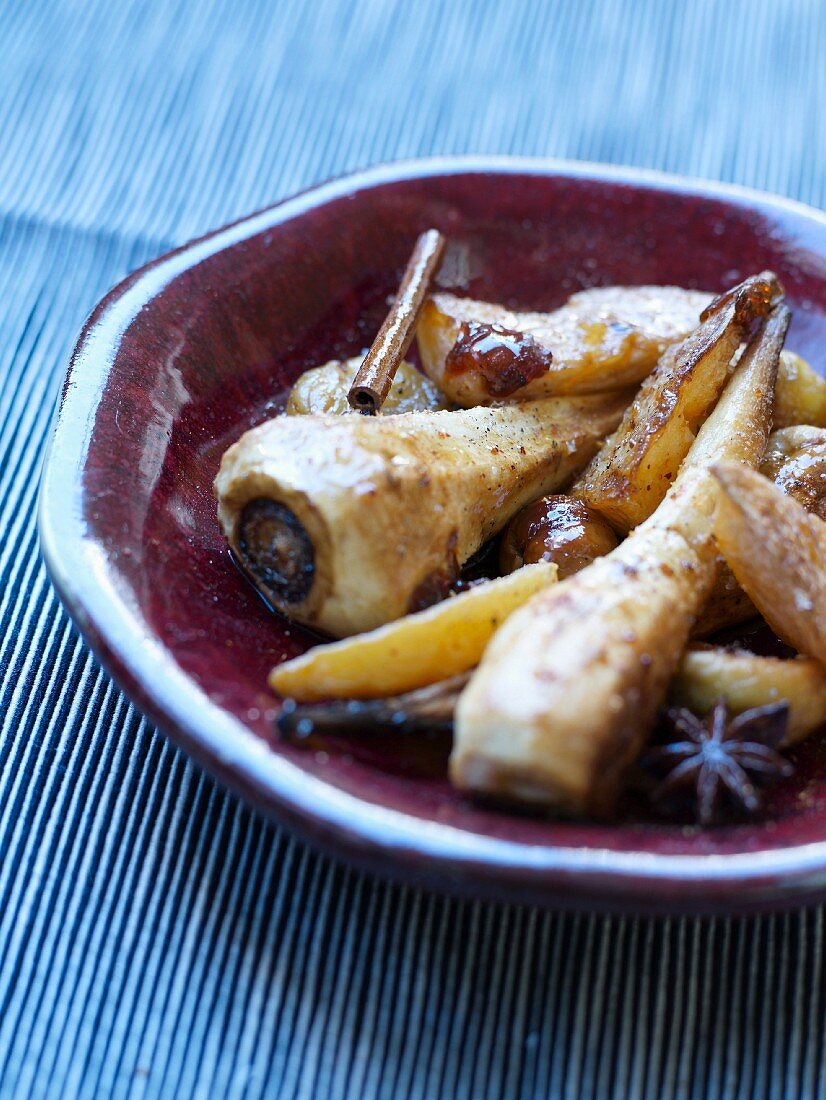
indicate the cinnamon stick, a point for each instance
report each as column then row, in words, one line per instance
column 375, row 375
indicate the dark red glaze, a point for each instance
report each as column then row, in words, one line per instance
column 189, row 352
column 505, row 360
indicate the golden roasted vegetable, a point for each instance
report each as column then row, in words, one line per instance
column 569, row 687
column 727, row 605
column 705, row 675
column 409, row 653
column 631, row 474
column 800, row 394
column 795, row 460
column 560, row 529
column 745, row 680
column 563, row 529
column 777, row 551
column 600, row 339
column 323, row 390
column 566, row 692
column 348, row 522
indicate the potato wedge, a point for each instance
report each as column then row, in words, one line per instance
column 603, row 338
column 569, row 687
column 323, row 390
column 744, row 680
column 777, row 551
column 630, row 475
column 409, row 653
column 800, row 394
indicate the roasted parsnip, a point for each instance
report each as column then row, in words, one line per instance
column 744, row 681
column 563, row 529
column 795, row 460
column 604, row 338
column 569, row 687
column 777, row 551
column 323, row 390
column 348, row 522
column 409, row 653
column 631, row 474
column 727, row 605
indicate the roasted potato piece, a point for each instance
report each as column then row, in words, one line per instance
column 323, row 390
column 629, row 477
column 603, row 338
column 560, row 529
column 745, row 680
column 569, row 687
column 348, row 522
column 800, row 394
column 777, row 551
column 419, row 649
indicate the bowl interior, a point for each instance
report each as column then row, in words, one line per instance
column 216, row 344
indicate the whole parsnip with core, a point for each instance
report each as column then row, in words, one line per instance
column 348, row 522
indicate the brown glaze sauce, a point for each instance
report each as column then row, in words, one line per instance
column 505, row 360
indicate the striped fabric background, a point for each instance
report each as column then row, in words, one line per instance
column 157, row 938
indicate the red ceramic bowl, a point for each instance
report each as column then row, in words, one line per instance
column 198, row 346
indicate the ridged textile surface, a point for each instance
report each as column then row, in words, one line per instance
column 158, row 938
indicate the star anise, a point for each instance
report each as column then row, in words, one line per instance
column 717, row 757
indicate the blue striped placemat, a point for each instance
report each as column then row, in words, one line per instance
column 158, row 938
